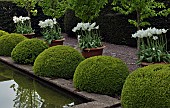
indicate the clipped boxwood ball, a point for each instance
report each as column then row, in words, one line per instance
column 101, row 74
column 3, row 33
column 8, row 42
column 58, row 61
column 27, row 51
column 147, row 87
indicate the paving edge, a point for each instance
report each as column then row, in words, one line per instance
column 96, row 100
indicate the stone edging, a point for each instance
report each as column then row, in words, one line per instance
column 97, row 100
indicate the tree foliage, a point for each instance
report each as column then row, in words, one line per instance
column 27, row 4
column 87, row 10
column 143, row 8
column 54, row 8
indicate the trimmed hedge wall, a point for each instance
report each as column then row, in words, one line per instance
column 147, row 87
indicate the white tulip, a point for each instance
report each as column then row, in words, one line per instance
column 97, row 27
column 164, row 31
column 158, row 31
column 155, row 37
column 71, row 104
column 74, row 29
column 54, row 20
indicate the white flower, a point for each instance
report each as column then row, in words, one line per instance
column 71, row 104
column 85, row 26
column 78, row 37
column 97, row 27
column 65, row 106
column 74, row 29
column 155, row 37
column 158, row 31
column 153, row 49
column 164, row 31
column 15, row 19
column 54, row 21
column 92, row 25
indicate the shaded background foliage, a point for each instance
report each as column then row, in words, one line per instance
column 114, row 27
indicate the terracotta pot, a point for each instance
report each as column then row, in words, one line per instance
column 146, row 63
column 57, row 42
column 31, row 35
column 89, row 52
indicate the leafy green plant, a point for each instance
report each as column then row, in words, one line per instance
column 87, row 10
column 8, row 42
column 147, row 87
column 51, row 30
column 27, row 51
column 88, row 35
column 57, row 61
column 144, row 9
column 22, row 25
column 101, row 74
column 153, row 45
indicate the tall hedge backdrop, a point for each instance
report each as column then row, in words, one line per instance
column 114, row 27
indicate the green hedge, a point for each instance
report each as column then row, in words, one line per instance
column 8, row 42
column 3, row 33
column 27, row 51
column 147, row 87
column 101, row 74
column 57, row 61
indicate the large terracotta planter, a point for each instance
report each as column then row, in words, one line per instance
column 146, row 63
column 57, row 42
column 89, row 52
column 31, row 35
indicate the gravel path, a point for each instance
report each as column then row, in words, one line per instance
column 127, row 54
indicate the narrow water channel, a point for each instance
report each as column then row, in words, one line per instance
column 21, row 91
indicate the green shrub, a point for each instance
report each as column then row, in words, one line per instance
column 8, row 42
column 27, row 51
column 101, row 74
column 147, row 87
column 58, row 61
column 3, row 33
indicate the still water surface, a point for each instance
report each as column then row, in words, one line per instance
column 21, row 91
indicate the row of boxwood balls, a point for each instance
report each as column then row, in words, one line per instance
column 145, row 87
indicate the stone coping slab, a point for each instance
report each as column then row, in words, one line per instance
column 96, row 100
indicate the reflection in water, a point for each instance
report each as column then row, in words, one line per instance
column 31, row 94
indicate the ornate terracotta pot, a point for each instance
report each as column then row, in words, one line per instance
column 89, row 52
column 57, row 42
column 31, row 35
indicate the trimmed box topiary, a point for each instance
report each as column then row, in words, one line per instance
column 27, row 51
column 57, row 61
column 8, row 42
column 3, row 33
column 101, row 74
column 147, row 87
